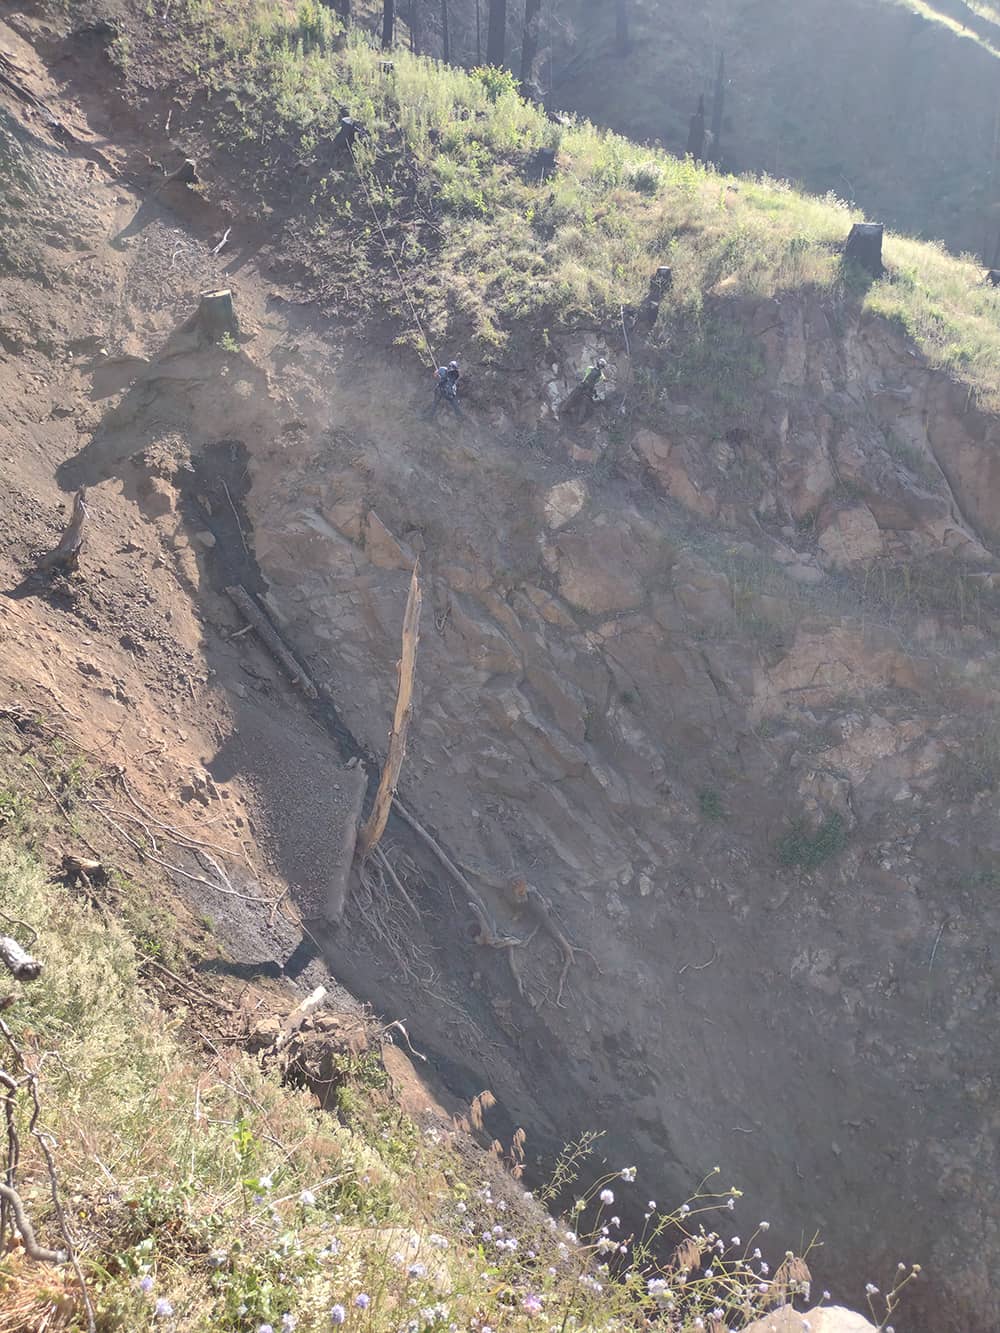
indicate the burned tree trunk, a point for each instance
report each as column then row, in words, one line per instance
column 621, row 28
column 696, row 132
column 215, row 316
column 864, row 247
column 66, row 555
column 718, row 107
column 388, row 23
column 496, row 34
column 445, row 34
column 529, row 41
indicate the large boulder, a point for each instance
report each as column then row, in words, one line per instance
column 821, row 1319
column 849, row 536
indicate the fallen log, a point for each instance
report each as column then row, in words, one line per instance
column 66, row 555
column 17, row 961
column 272, row 640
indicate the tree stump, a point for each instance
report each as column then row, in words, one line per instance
column 864, row 247
column 215, row 316
column 184, row 175
column 542, row 165
column 66, row 556
column 659, row 284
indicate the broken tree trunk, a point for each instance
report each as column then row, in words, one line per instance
column 373, row 829
column 272, row 640
column 67, row 554
column 18, row 961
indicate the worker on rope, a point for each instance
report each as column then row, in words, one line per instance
column 578, row 402
column 446, row 388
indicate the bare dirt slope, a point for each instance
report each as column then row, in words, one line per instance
column 719, row 684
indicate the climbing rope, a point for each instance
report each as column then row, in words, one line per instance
column 385, row 241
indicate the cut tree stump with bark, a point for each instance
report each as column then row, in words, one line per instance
column 215, row 316
column 66, row 555
column 864, row 247
column 186, row 174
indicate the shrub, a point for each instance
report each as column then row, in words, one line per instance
column 808, row 847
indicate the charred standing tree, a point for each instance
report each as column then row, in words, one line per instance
column 496, row 34
column 529, row 42
column 388, row 23
column 621, row 28
column 415, row 33
column 718, row 107
column 445, row 34
column 696, row 132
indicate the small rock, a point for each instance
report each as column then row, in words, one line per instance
column 564, row 501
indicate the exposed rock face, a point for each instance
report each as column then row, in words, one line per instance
column 723, row 704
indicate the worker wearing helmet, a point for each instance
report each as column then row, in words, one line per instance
column 446, row 388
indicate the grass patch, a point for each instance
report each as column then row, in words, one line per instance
column 808, row 847
column 710, row 804
column 482, row 247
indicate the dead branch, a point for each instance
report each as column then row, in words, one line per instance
column 27, row 1080
column 18, row 961
column 31, row 1247
column 66, row 555
column 541, row 908
column 396, row 882
column 272, row 640
column 489, row 935
column 372, row 830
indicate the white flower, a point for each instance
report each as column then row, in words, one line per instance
column 871, row 1289
column 763, row 1226
column 616, row 1221
column 307, row 1199
column 627, row 1173
column 651, row 1205
column 734, row 1240
column 460, row 1207
column 266, row 1183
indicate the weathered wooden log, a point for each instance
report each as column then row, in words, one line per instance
column 864, row 247
column 18, row 961
column 272, row 640
column 67, row 554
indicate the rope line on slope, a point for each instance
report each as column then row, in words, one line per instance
column 385, row 241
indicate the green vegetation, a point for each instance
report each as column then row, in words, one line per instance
column 808, row 846
column 447, row 159
column 710, row 803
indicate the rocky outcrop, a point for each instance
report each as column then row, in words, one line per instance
column 716, row 702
